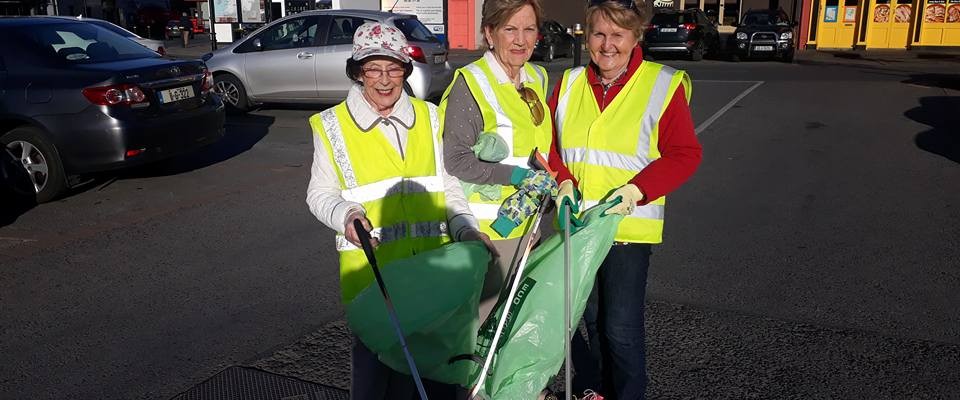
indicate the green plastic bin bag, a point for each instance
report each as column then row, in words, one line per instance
column 436, row 295
column 530, row 351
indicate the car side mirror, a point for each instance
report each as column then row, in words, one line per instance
column 257, row 44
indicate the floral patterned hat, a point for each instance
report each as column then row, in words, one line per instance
column 379, row 39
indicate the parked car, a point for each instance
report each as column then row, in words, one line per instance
column 553, row 41
column 81, row 99
column 685, row 32
column 155, row 45
column 763, row 33
column 172, row 30
column 301, row 59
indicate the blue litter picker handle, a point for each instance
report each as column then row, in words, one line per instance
column 364, row 237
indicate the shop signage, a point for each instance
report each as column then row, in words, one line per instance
column 902, row 13
column 663, row 3
column 252, row 10
column 850, row 14
column 429, row 12
column 953, row 12
column 830, row 14
column 225, row 10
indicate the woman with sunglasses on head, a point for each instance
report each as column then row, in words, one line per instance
column 496, row 105
column 377, row 160
column 623, row 136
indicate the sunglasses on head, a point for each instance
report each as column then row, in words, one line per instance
column 533, row 102
column 626, row 3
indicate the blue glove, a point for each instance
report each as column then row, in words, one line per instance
column 537, row 182
column 514, row 210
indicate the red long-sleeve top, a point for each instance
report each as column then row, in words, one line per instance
column 680, row 151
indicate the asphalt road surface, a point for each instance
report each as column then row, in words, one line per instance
column 813, row 255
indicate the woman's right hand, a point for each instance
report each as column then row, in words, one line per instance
column 350, row 232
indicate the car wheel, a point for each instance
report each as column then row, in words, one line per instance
column 697, row 53
column 788, row 57
column 233, row 93
column 41, row 160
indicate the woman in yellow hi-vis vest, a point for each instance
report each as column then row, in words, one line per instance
column 623, row 135
column 494, row 117
column 377, row 159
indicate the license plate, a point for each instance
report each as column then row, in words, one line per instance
column 175, row 94
column 668, row 29
column 440, row 59
column 763, row 48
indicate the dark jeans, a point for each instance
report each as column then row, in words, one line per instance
column 612, row 361
column 372, row 380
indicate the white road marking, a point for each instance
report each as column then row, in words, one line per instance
column 706, row 124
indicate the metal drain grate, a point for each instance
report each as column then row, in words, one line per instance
column 243, row 383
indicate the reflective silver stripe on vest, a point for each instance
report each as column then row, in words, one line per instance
column 543, row 79
column 484, row 211
column 331, row 126
column 606, row 158
column 658, row 98
column 651, row 115
column 521, row 161
column 649, row 211
column 564, row 101
column 504, row 125
column 392, row 186
column 399, row 231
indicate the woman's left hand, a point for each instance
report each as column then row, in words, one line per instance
column 483, row 237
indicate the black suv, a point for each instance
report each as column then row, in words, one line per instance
column 553, row 41
column 686, row 32
column 763, row 33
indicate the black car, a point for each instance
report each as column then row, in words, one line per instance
column 763, row 33
column 686, row 32
column 553, row 41
column 76, row 99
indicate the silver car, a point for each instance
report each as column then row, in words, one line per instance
column 302, row 59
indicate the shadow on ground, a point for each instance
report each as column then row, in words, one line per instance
column 17, row 194
column 940, row 114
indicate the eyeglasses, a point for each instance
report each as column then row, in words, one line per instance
column 376, row 73
column 533, row 102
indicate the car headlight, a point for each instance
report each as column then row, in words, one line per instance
column 786, row 36
column 741, row 36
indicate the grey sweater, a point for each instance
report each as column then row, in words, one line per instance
column 462, row 125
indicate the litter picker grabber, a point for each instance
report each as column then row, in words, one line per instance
column 567, row 307
column 368, row 250
column 515, row 278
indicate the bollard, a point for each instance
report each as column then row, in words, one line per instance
column 577, row 44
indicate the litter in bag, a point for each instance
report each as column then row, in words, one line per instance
column 436, row 295
column 530, row 351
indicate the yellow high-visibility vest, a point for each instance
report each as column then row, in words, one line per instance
column 605, row 150
column 505, row 113
column 403, row 197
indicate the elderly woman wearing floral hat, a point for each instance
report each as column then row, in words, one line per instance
column 377, row 160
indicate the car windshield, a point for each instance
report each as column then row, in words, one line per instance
column 672, row 19
column 84, row 43
column 112, row 28
column 764, row 20
column 414, row 30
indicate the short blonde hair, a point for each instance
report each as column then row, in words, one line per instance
column 496, row 13
column 634, row 19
